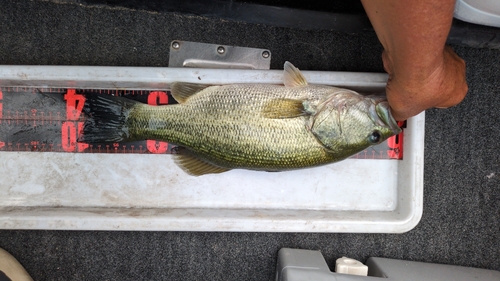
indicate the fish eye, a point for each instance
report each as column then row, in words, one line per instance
column 375, row 137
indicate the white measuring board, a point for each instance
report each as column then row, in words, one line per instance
column 92, row 191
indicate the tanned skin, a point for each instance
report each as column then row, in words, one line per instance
column 423, row 72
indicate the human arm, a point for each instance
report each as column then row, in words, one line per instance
column 423, row 73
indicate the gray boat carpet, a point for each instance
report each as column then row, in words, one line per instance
column 461, row 218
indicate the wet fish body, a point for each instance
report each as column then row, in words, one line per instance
column 251, row 126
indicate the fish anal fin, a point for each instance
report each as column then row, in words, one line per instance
column 292, row 77
column 195, row 166
column 283, row 108
column 181, row 91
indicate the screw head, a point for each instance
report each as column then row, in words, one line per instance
column 221, row 50
column 176, row 45
column 265, row 54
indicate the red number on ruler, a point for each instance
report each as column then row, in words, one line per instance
column 69, row 137
column 69, row 133
column 74, row 104
column 157, row 147
column 157, row 98
column 395, row 144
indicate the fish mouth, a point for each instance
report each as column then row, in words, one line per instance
column 384, row 113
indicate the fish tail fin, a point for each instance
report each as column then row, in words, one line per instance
column 106, row 118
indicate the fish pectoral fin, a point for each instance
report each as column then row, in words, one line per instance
column 292, row 76
column 195, row 166
column 283, row 108
column 181, row 91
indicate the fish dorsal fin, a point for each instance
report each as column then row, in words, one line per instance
column 283, row 108
column 181, row 91
column 195, row 166
column 292, row 76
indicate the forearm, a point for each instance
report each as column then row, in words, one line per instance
column 408, row 29
column 422, row 72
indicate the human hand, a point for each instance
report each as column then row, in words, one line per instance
column 440, row 86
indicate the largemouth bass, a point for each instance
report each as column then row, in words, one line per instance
column 251, row 126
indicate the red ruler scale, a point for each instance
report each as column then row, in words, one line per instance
column 50, row 119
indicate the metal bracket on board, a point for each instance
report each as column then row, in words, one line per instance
column 203, row 55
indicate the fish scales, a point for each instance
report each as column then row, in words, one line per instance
column 224, row 125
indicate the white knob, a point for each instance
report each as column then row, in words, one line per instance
column 350, row 266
